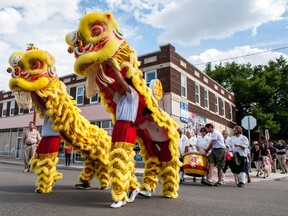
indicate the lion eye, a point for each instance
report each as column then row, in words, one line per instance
column 97, row 29
column 36, row 64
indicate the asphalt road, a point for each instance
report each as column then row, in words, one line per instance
column 17, row 197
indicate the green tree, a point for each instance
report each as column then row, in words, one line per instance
column 260, row 90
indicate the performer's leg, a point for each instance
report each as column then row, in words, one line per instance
column 170, row 178
column 44, row 163
column 120, row 173
column 44, row 166
column 101, row 171
column 150, row 177
column 26, row 158
column 86, row 175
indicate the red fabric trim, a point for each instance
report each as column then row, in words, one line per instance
column 188, row 166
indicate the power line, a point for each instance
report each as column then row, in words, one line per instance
column 251, row 54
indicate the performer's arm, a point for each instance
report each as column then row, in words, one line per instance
column 38, row 103
column 111, row 90
column 239, row 145
column 212, row 142
column 121, row 80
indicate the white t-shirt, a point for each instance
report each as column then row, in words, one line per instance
column 203, row 143
column 127, row 105
column 157, row 134
column 183, row 142
column 47, row 129
column 219, row 140
column 192, row 144
column 242, row 140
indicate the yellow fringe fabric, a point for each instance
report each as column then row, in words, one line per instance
column 126, row 58
column 44, row 167
column 93, row 142
column 150, row 177
column 94, row 168
column 118, row 54
column 122, row 170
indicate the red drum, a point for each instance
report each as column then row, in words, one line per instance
column 195, row 164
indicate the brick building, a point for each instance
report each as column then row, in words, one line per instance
column 189, row 96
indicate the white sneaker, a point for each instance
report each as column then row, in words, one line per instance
column 168, row 196
column 145, row 193
column 133, row 194
column 118, row 204
column 105, row 188
column 26, row 170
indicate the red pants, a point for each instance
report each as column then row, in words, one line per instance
column 49, row 145
column 124, row 131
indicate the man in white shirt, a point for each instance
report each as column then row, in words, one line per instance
column 217, row 156
column 183, row 142
column 192, row 142
column 240, row 145
column 201, row 145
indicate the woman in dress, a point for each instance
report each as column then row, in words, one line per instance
column 266, row 159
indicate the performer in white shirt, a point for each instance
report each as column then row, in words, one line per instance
column 240, row 144
column 217, row 156
column 202, row 144
column 191, row 147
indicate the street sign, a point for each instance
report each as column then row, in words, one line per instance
column 248, row 122
column 184, row 114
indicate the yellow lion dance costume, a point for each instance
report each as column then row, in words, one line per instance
column 98, row 45
column 34, row 80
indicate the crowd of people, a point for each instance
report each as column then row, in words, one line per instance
column 225, row 152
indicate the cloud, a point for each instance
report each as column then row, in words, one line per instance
column 240, row 55
column 193, row 21
column 9, row 19
column 44, row 23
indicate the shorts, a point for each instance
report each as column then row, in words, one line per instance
column 217, row 157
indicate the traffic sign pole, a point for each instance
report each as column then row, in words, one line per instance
column 249, row 138
column 249, row 122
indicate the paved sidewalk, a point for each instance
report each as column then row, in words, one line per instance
column 229, row 177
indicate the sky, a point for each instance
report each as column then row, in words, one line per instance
column 216, row 31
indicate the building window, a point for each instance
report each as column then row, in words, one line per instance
column 197, row 94
column 150, row 76
column 106, row 124
column 94, row 99
column 12, row 108
column 31, row 110
column 206, row 98
column 21, row 111
column 183, row 85
column 68, row 91
column 80, row 95
column 223, row 107
column 216, row 104
column 4, row 110
column 230, row 112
